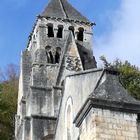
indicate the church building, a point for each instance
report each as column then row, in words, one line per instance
column 62, row 94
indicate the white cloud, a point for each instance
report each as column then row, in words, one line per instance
column 124, row 39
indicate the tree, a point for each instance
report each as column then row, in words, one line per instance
column 8, row 101
column 129, row 75
column 10, row 73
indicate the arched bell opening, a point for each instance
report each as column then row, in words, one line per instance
column 80, row 35
column 50, row 30
column 50, row 58
column 60, row 31
column 57, row 55
column 71, row 28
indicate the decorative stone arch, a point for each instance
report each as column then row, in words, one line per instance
column 71, row 28
column 69, row 118
column 50, row 30
column 60, row 31
column 80, row 35
column 53, row 55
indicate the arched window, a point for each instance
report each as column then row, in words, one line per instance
column 71, row 28
column 60, row 31
column 57, row 55
column 49, row 55
column 69, row 122
column 80, row 35
column 68, row 119
column 50, row 30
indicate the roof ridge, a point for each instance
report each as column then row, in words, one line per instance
column 63, row 9
column 61, row 3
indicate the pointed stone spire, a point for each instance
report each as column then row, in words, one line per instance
column 54, row 9
column 63, row 9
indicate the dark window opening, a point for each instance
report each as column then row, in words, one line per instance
column 50, row 58
column 57, row 55
column 80, row 35
column 71, row 28
column 60, row 32
column 50, row 30
column 48, row 48
column 84, row 59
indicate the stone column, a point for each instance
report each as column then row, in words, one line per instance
column 55, row 31
column 76, row 33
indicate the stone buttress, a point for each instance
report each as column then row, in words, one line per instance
column 60, row 44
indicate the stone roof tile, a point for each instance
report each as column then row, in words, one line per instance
column 63, row 9
column 112, row 90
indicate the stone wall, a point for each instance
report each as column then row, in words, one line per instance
column 138, row 127
column 42, row 127
column 109, row 125
column 78, row 87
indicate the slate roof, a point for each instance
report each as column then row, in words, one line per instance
column 108, row 94
column 63, row 9
column 112, row 90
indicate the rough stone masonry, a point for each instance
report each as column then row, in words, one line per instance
column 62, row 93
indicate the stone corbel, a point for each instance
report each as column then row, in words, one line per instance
column 55, row 31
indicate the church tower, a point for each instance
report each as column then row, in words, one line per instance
column 60, row 44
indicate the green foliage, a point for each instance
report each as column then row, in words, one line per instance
column 8, row 100
column 129, row 75
column 8, row 103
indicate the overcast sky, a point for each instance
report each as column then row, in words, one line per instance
column 116, row 35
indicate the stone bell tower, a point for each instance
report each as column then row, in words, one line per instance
column 60, row 44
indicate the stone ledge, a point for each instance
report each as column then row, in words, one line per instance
column 41, row 88
column 47, row 88
column 107, row 70
column 104, row 104
column 34, row 116
column 67, row 20
column 43, row 117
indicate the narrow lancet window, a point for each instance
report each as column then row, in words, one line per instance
column 50, row 58
column 80, row 35
column 50, row 30
column 69, row 122
column 57, row 55
column 69, row 119
column 60, row 31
